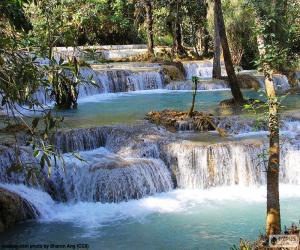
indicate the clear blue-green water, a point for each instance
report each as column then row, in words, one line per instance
column 131, row 107
column 181, row 219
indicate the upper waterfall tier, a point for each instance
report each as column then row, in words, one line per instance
column 127, row 77
column 121, row 79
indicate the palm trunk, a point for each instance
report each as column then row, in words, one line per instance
column 233, row 81
column 217, row 48
column 149, row 23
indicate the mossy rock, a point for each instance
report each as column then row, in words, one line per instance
column 173, row 73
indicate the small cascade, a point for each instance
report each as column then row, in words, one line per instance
column 201, row 69
column 202, row 85
column 107, row 177
column 8, row 160
column 231, row 163
column 112, row 54
column 125, row 141
column 80, row 139
column 281, row 82
column 107, row 52
column 42, row 96
column 120, row 80
column 201, row 166
column 40, row 201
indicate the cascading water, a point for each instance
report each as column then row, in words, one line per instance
column 120, row 80
column 201, row 69
column 197, row 166
column 9, row 157
column 107, row 177
column 281, row 82
column 202, row 85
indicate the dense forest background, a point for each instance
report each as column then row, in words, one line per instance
column 99, row 22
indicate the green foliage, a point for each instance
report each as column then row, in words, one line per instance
column 12, row 11
column 20, row 78
column 239, row 19
column 280, row 33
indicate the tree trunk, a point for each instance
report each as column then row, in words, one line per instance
column 233, row 81
column 217, row 48
column 273, row 221
column 195, row 81
column 149, row 23
column 206, row 41
column 273, row 224
column 177, row 34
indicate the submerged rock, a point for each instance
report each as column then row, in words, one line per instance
column 14, row 209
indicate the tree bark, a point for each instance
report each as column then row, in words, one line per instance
column 195, row 81
column 273, row 224
column 233, row 81
column 217, row 48
column 149, row 24
column 177, row 34
column 273, row 221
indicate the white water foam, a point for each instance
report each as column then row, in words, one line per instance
column 93, row 215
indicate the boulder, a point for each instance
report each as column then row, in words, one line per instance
column 14, row 209
column 248, row 81
column 172, row 73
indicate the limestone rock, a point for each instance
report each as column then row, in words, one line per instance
column 14, row 209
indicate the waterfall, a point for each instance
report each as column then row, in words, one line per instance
column 126, row 141
column 8, row 158
column 202, row 85
column 281, row 82
column 107, row 177
column 120, row 80
column 122, row 163
column 107, row 52
column 200, row 69
column 41, row 201
column 80, row 139
column 203, row 166
column 242, row 162
column 232, row 163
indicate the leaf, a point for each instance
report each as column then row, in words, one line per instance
column 35, row 122
column 36, row 153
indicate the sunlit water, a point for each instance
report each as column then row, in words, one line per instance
column 131, row 107
column 181, row 219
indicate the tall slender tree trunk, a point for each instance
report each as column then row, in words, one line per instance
column 191, row 111
column 273, row 221
column 233, row 81
column 149, row 23
column 177, row 32
column 217, row 48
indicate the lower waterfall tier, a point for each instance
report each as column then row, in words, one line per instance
column 122, row 163
column 107, row 177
